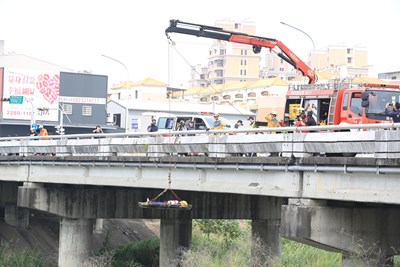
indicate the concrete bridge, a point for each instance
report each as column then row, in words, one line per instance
column 335, row 188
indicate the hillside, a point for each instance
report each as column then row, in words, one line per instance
column 42, row 234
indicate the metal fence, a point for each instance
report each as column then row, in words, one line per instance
column 368, row 140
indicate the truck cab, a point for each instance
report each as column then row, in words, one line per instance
column 338, row 103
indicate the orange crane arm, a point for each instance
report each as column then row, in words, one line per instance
column 243, row 38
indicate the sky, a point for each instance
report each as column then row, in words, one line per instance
column 76, row 33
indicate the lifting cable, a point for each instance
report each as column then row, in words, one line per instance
column 214, row 90
column 177, row 203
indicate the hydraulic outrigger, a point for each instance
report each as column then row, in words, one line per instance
column 243, row 38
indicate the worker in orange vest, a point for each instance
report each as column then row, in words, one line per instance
column 43, row 132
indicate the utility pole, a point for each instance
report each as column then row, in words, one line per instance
column 127, row 84
column 313, row 51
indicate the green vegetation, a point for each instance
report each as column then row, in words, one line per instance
column 11, row 257
column 210, row 248
column 215, row 243
column 145, row 252
column 221, row 243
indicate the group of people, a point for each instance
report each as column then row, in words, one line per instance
column 271, row 119
column 182, row 126
column 42, row 131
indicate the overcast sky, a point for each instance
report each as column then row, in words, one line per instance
column 74, row 33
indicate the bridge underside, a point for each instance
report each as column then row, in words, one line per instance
column 109, row 202
column 80, row 205
column 366, row 236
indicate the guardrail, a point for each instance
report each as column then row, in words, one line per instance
column 377, row 140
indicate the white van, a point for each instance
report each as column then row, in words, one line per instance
column 201, row 122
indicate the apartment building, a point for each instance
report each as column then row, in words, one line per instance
column 232, row 62
column 352, row 60
column 276, row 67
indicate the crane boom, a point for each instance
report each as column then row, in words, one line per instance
column 256, row 42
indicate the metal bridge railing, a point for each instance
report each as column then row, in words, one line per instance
column 377, row 140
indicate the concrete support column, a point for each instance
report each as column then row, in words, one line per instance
column 366, row 236
column 174, row 234
column 17, row 217
column 98, row 228
column 75, row 242
column 266, row 239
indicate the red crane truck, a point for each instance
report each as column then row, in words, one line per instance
column 335, row 103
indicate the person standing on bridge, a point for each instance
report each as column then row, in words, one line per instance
column 190, row 127
column 32, row 132
column 43, row 132
column 217, row 124
column 238, row 124
column 152, row 127
column 394, row 113
column 310, row 121
column 273, row 122
column 253, row 125
column 98, row 130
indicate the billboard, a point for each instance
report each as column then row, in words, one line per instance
column 34, row 94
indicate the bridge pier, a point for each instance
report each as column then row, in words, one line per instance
column 365, row 236
column 13, row 215
column 175, row 234
column 268, row 232
column 75, row 241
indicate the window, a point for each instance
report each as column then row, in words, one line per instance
column 252, row 94
column 355, row 103
column 222, row 52
column 67, row 109
column 136, row 94
column 264, row 93
column 219, row 63
column 86, row 110
column 349, row 60
column 345, row 101
column 244, row 72
column 237, row 25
